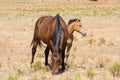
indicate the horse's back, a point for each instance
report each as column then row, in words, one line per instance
column 42, row 26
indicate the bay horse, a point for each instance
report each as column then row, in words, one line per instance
column 53, row 32
column 73, row 25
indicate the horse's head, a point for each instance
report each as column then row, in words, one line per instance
column 76, row 26
column 56, row 62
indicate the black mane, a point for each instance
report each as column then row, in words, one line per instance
column 57, row 34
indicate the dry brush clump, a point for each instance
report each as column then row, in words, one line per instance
column 71, row 62
column 38, row 66
column 91, row 41
column 76, row 77
column 45, row 69
column 90, row 74
column 115, row 69
column 101, row 41
column 102, row 61
column 13, row 77
column 20, row 71
column 40, row 54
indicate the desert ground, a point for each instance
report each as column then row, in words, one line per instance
column 94, row 57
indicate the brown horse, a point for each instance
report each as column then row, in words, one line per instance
column 73, row 25
column 53, row 32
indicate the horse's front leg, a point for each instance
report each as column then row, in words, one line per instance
column 46, row 55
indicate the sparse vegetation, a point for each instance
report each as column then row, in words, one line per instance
column 75, row 48
column 20, row 71
column 91, row 41
column 0, row 64
column 95, row 12
column 31, row 70
column 35, row 77
column 13, row 77
column 72, row 55
column 45, row 69
column 40, row 54
column 90, row 74
column 102, row 41
column 76, row 77
column 115, row 69
column 37, row 65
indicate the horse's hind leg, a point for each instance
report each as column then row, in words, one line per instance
column 46, row 55
column 35, row 43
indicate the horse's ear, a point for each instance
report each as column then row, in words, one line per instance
column 78, row 20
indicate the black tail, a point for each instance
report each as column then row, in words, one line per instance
column 57, row 34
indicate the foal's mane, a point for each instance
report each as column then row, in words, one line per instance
column 73, row 20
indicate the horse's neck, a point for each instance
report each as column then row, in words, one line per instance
column 70, row 31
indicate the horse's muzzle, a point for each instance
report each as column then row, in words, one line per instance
column 83, row 33
column 54, row 73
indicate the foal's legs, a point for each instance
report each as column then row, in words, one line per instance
column 69, row 45
column 35, row 43
column 46, row 55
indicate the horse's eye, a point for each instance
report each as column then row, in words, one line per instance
column 77, row 21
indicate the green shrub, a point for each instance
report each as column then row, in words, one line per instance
column 45, row 69
column 95, row 12
column 37, row 65
column 90, row 74
column 75, row 48
column 31, row 70
column 77, row 77
column 13, row 77
column 19, row 71
column 91, row 41
column 115, row 69
column 102, row 41
column 40, row 54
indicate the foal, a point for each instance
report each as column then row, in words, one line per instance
column 73, row 25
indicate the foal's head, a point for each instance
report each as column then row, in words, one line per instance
column 76, row 26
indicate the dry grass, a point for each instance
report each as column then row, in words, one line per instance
column 115, row 69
